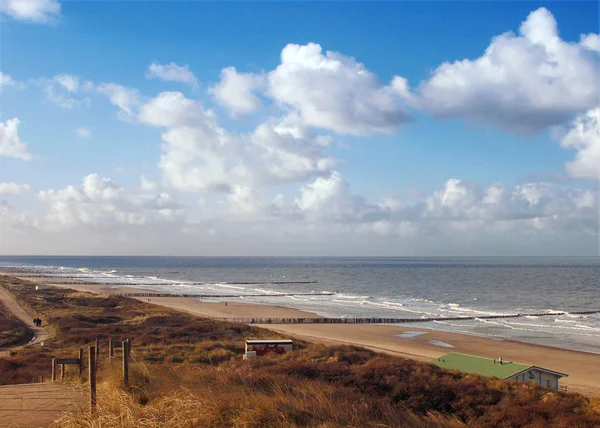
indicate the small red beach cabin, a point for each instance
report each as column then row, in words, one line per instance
column 257, row 347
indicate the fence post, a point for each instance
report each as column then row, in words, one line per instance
column 111, row 353
column 92, row 378
column 53, row 369
column 125, row 352
column 62, row 371
column 80, row 362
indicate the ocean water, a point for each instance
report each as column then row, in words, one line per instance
column 380, row 287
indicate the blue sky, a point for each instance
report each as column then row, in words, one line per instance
column 406, row 169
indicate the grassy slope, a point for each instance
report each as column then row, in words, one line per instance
column 189, row 373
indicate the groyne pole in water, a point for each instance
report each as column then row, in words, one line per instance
column 391, row 320
column 208, row 296
column 91, row 280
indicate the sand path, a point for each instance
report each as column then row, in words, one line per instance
column 40, row 334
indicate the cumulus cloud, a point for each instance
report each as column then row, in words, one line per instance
column 335, row 92
column 126, row 99
column 330, row 199
column 523, row 83
column 237, row 91
column 199, row 155
column 174, row 110
column 11, row 144
column 99, row 203
column 327, row 90
column 13, row 188
column 40, row 11
column 464, row 206
column 584, row 137
column 172, row 73
column 66, row 90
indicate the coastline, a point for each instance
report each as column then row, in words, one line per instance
column 401, row 340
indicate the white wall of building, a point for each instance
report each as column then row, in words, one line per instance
column 545, row 379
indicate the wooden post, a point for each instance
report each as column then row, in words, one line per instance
column 111, row 352
column 129, row 347
column 80, row 362
column 124, row 346
column 53, row 369
column 92, row 378
column 62, row 371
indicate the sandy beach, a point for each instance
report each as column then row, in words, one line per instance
column 401, row 340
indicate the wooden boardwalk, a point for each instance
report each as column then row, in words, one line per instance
column 37, row 404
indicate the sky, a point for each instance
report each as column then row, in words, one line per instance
column 299, row 128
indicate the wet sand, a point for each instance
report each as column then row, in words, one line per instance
column 416, row 343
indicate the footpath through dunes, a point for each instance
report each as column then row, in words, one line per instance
column 40, row 334
column 33, row 404
column 37, row 404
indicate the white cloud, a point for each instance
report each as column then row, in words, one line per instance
column 523, row 83
column 325, row 212
column 173, row 109
column 329, row 199
column 148, row 185
column 66, row 90
column 460, row 206
column 10, row 142
column 199, row 155
column 6, row 80
column 13, row 189
column 236, row 91
column 83, row 132
column 68, row 81
column 584, row 137
column 288, row 152
column 591, row 42
column 41, row 11
column 126, row 99
column 100, row 204
column 335, row 92
column 244, row 200
column 172, row 73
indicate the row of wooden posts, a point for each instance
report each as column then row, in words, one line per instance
column 93, row 361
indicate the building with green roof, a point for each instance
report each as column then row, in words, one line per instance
column 500, row 368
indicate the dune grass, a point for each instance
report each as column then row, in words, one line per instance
column 187, row 371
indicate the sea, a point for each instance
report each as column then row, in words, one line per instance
column 396, row 287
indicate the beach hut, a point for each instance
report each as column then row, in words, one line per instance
column 257, row 347
column 500, row 368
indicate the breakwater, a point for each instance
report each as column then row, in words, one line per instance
column 209, row 296
column 324, row 320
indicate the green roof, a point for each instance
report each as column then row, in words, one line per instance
column 479, row 365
